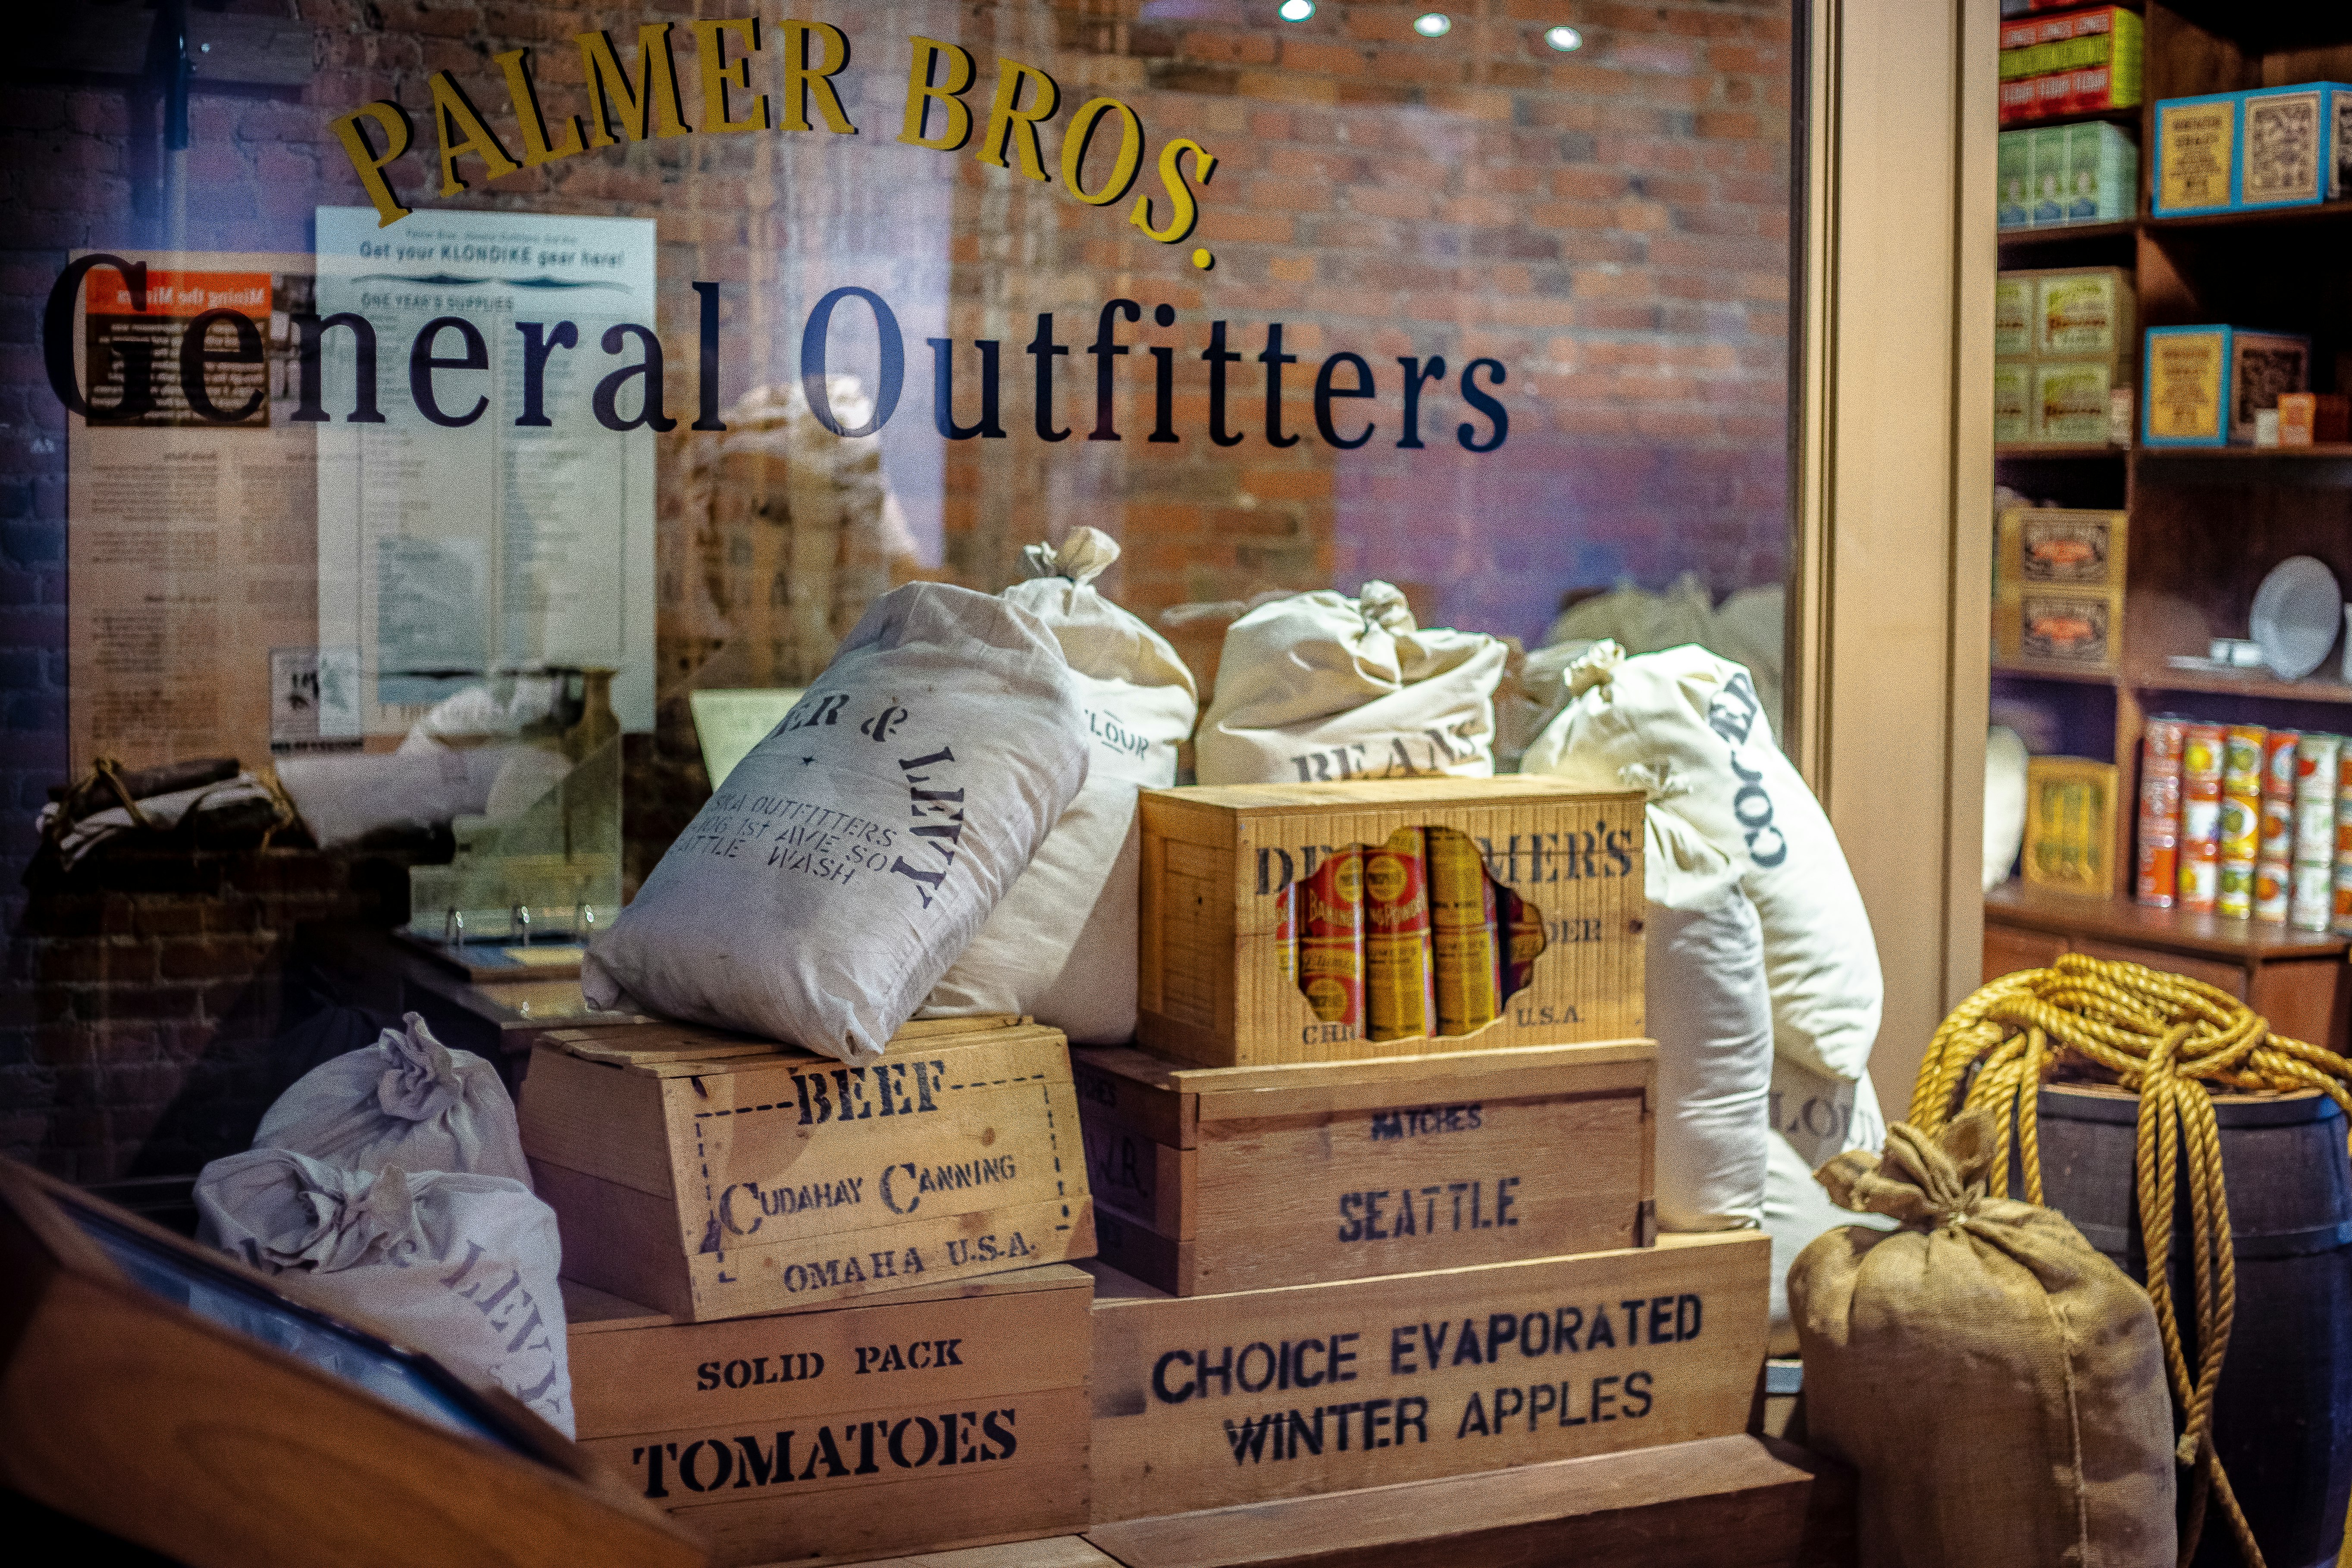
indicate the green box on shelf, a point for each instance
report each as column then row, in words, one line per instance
column 2049, row 163
column 2015, row 157
column 2102, row 173
column 2069, row 402
column 2012, row 393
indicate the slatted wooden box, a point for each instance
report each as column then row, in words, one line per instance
column 1216, row 1179
column 711, row 1176
column 1217, row 987
column 919, row 1421
column 1209, row 1401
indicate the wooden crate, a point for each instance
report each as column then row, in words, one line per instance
column 1718, row 1502
column 1217, row 863
column 1206, row 1401
column 932, row 1418
column 711, row 1176
column 1208, row 1180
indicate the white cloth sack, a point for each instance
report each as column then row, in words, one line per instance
column 1317, row 687
column 2004, row 803
column 406, row 1101
column 1814, row 1120
column 1711, row 1013
column 460, row 1267
column 852, row 857
column 1062, row 946
column 1685, row 725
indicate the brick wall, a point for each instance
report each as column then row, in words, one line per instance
column 1611, row 225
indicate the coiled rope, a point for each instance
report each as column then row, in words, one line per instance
column 2166, row 1037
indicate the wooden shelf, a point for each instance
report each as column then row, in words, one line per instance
column 2254, row 683
column 2331, row 451
column 2037, row 672
column 2126, row 921
column 2069, row 233
column 2025, row 451
column 2129, row 116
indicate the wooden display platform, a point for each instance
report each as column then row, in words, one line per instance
column 1724, row 1502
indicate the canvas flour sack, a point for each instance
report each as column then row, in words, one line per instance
column 460, row 1267
column 1319, row 687
column 1685, row 726
column 1711, row 1013
column 1062, row 945
column 406, row 1101
column 850, row 859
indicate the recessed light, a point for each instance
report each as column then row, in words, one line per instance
column 1296, row 10
column 1564, row 40
column 1432, row 25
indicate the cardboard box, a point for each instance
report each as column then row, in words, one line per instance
column 1218, row 985
column 710, row 1176
column 934, row 1419
column 2014, row 158
column 1208, row 1401
column 2202, row 386
column 2070, row 825
column 2048, row 145
column 2059, row 628
column 2069, row 402
column 2309, row 419
column 1209, row 1180
column 2053, row 547
column 2197, row 146
column 2013, row 315
column 2084, row 313
column 2102, row 173
column 2291, row 157
column 2013, row 403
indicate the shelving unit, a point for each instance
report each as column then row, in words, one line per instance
column 2206, row 523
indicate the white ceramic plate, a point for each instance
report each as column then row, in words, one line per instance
column 2297, row 612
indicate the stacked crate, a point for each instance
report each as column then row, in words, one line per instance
column 1334, row 1255
column 789, row 1280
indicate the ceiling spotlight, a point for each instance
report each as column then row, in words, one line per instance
column 1296, row 10
column 1564, row 40
column 1432, row 25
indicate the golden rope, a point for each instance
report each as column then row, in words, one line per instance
column 2166, row 1038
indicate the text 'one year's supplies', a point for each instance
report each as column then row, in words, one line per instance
column 921, row 1421
column 1209, row 1401
column 1388, row 917
column 1217, row 1179
column 711, row 1176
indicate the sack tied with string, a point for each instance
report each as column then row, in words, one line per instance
column 460, row 1267
column 820, row 895
column 1687, row 727
column 1996, row 1384
column 1062, row 945
column 406, row 1101
column 1318, row 688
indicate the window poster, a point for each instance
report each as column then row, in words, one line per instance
column 193, row 511
column 491, row 387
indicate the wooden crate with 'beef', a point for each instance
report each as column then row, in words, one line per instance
column 1218, row 863
column 711, row 1176
column 1217, row 1179
column 915, row 1422
column 1206, row 1401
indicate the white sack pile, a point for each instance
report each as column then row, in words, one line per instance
column 1686, row 728
column 1062, row 945
column 388, row 1186
column 1319, row 687
column 855, row 854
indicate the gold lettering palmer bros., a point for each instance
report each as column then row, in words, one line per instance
column 799, row 60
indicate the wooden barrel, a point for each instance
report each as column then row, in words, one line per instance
column 2283, row 1412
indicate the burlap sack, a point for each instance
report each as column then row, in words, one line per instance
column 1996, row 1384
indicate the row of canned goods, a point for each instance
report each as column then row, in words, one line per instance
column 2246, row 822
column 1408, row 938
